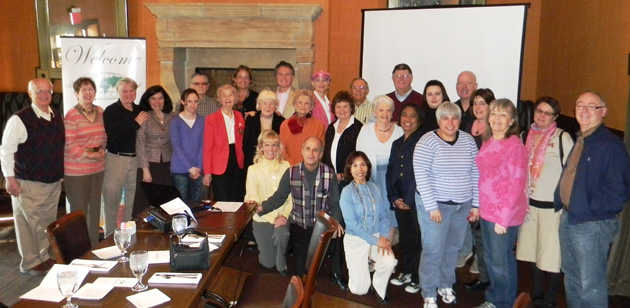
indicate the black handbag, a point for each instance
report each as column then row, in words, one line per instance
column 186, row 258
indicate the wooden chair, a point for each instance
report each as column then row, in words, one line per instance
column 265, row 290
column 69, row 237
column 522, row 300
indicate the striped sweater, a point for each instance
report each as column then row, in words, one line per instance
column 445, row 172
column 81, row 134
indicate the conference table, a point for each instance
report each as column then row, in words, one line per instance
column 150, row 239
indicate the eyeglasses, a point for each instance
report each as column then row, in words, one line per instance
column 588, row 107
column 200, row 83
column 40, row 92
column 359, row 88
column 402, row 76
column 546, row 113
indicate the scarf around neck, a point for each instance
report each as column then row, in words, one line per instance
column 537, row 150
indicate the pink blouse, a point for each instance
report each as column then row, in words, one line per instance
column 502, row 168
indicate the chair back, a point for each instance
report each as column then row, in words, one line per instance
column 295, row 293
column 69, row 237
column 325, row 227
column 522, row 300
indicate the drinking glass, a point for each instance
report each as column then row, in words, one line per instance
column 139, row 261
column 122, row 238
column 180, row 223
column 67, row 283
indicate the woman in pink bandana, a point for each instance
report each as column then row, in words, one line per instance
column 548, row 148
column 321, row 109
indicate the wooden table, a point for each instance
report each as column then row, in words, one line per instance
column 148, row 238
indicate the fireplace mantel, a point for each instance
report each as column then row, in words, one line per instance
column 220, row 30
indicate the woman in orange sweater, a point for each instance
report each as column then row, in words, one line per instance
column 300, row 126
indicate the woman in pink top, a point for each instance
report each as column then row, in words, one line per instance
column 322, row 110
column 502, row 164
column 84, row 155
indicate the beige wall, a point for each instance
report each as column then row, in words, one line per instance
column 584, row 45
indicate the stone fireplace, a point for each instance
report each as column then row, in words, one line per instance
column 193, row 35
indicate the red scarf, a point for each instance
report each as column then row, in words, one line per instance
column 536, row 144
column 296, row 124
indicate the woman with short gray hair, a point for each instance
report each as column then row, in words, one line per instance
column 446, row 178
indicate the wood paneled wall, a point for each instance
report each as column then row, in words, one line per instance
column 19, row 55
column 584, row 45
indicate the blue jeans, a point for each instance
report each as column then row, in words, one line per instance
column 189, row 189
column 440, row 245
column 584, row 249
column 500, row 264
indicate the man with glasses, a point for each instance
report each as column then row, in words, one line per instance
column 32, row 163
column 207, row 105
column 402, row 78
column 593, row 187
column 363, row 110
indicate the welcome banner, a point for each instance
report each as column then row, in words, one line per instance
column 106, row 60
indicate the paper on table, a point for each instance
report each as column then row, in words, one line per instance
column 48, row 290
column 107, row 252
column 175, row 278
column 228, row 207
column 148, row 299
column 216, row 238
column 116, row 281
column 95, row 265
column 211, row 246
column 93, row 291
column 159, row 256
column 177, row 206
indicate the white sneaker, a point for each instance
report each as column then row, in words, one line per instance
column 474, row 268
column 430, row 302
column 486, row 305
column 401, row 279
column 461, row 260
column 448, row 295
column 412, row 288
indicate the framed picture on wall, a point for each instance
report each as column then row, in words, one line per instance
column 84, row 18
column 420, row 3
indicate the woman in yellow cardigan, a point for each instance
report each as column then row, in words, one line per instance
column 270, row 230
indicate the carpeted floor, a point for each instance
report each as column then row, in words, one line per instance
column 247, row 261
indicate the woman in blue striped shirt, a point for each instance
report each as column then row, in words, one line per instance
column 446, row 178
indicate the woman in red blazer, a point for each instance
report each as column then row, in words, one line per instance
column 223, row 157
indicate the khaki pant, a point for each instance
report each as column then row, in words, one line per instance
column 33, row 210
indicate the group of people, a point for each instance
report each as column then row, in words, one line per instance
column 439, row 172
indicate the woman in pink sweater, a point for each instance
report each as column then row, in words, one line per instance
column 502, row 164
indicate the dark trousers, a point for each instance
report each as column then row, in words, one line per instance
column 230, row 185
column 299, row 240
column 410, row 242
column 161, row 174
column 338, row 267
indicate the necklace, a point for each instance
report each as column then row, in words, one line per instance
column 384, row 131
column 88, row 112
column 364, row 205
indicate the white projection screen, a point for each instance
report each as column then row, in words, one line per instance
column 440, row 42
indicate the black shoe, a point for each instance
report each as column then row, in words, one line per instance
column 339, row 281
column 380, row 300
column 476, row 286
column 285, row 272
